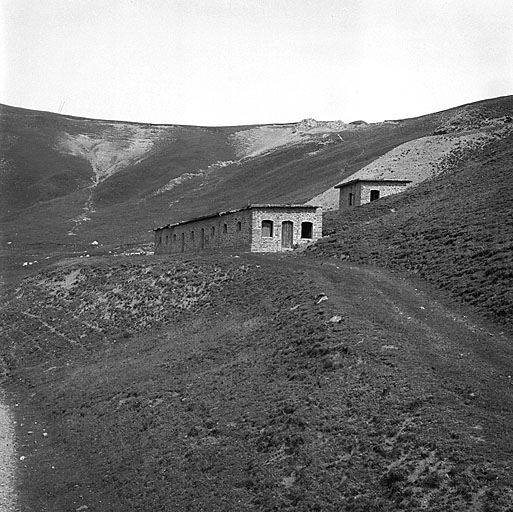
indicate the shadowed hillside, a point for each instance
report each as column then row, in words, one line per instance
column 455, row 230
column 67, row 181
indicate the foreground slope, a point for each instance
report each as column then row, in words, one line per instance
column 253, row 383
column 455, row 230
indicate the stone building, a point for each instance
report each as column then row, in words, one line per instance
column 356, row 192
column 254, row 228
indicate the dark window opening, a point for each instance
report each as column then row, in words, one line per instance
column 213, row 231
column 267, row 228
column 225, row 228
column 351, row 199
column 239, row 226
column 374, row 194
column 202, row 238
column 306, row 230
column 167, row 239
column 192, row 236
column 183, row 242
column 174, row 239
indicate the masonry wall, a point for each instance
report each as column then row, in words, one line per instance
column 231, row 231
column 362, row 191
column 384, row 190
column 354, row 189
column 278, row 216
column 241, row 231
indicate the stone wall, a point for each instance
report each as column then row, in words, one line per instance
column 278, row 216
column 354, row 189
column 239, row 231
column 385, row 189
column 230, row 231
column 362, row 190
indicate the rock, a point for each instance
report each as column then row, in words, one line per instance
column 336, row 319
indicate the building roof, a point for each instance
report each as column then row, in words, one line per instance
column 248, row 207
column 370, row 180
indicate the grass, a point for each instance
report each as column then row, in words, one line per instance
column 220, row 383
column 455, row 231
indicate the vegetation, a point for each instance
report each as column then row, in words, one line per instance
column 346, row 377
column 251, row 383
column 455, row 231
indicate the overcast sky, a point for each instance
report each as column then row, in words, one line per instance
column 232, row 62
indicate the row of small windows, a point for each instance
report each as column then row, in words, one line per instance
column 267, row 231
column 212, row 233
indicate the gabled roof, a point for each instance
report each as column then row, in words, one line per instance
column 369, row 180
column 248, row 207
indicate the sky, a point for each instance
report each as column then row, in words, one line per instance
column 235, row 62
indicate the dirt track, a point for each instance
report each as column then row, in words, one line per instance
column 7, row 465
column 265, row 395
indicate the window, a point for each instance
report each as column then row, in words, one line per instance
column 167, row 239
column 213, row 231
column 374, row 194
column 183, row 242
column 351, row 199
column 225, row 228
column 267, row 228
column 306, row 230
column 239, row 226
column 174, row 238
column 192, row 236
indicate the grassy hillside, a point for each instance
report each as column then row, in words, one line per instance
column 223, row 382
column 252, row 383
column 68, row 181
column 455, row 230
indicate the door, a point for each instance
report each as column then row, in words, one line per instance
column 287, row 234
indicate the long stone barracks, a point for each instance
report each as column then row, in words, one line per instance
column 254, row 228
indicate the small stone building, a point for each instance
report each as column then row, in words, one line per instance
column 361, row 191
column 254, row 228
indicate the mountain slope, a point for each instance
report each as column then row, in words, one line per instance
column 66, row 182
column 256, row 383
column 455, row 230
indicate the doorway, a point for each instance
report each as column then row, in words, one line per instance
column 287, row 234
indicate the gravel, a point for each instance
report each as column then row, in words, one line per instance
column 7, row 457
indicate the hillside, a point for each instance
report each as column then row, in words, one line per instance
column 66, row 181
column 295, row 382
column 455, row 231
column 253, row 383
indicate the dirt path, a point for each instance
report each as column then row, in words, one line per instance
column 442, row 342
column 407, row 398
column 7, row 466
